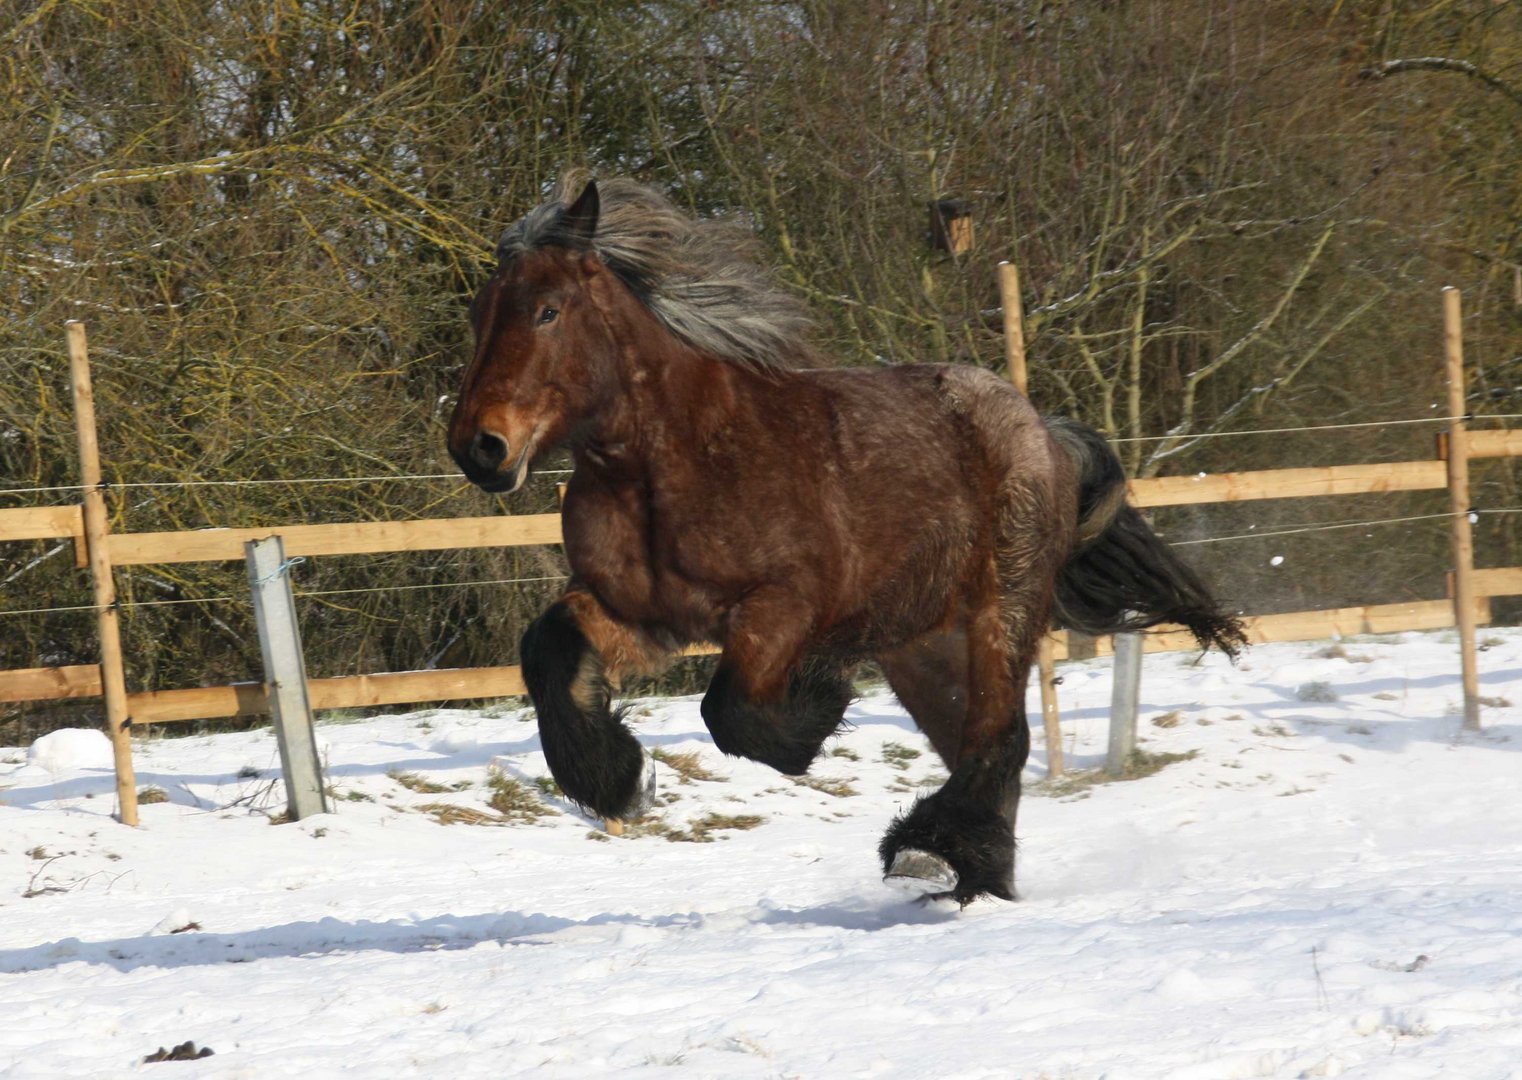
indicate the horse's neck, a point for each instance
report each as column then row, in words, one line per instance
column 673, row 405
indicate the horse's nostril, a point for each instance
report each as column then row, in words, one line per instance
column 488, row 449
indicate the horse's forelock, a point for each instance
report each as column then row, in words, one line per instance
column 700, row 276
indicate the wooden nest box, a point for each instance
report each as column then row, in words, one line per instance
column 951, row 226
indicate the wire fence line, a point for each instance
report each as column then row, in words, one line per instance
column 1466, row 418
column 50, row 610
column 107, row 485
column 1257, row 535
column 319, row 593
column 300, row 594
column 434, row 585
column 1473, row 514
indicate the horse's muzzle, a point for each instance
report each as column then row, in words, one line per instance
column 482, row 462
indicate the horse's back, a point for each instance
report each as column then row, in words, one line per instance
column 962, row 426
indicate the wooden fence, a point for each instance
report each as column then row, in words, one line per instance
column 102, row 551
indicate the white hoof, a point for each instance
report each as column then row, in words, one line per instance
column 919, row 873
column 644, row 795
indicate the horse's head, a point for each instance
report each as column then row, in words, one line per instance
column 542, row 362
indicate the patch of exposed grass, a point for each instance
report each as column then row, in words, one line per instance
column 840, row 789
column 701, row 830
column 516, row 801
column 646, row 826
column 1070, row 784
column 413, row 782
column 1142, row 763
column 909, row 786
column 898, row 755
column 150, row 795
column 547, row 786
column 1168, row 719
column 845, row 752
column 1316, row 691
column 337, row 717
column 689, row 766
column 452, row 814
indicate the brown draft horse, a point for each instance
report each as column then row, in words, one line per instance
column 923, row 516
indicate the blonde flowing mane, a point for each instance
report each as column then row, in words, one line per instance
column 700, row 276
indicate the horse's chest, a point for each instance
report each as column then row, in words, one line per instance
column 639, row 570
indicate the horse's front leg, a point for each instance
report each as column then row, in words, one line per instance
column 572, row 657
column 769, row 701
column 961, row 838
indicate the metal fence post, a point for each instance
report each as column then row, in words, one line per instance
column 285, row 679
column 1123, row 702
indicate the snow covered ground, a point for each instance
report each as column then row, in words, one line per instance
column 1327, row 882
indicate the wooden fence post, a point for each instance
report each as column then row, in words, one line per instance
column 1014, row 353
column 1124, row 697
column 1458, row 503
column 97, row 522
column 285, row 677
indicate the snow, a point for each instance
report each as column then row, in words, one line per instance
column 1331, row 885
column 71, row 748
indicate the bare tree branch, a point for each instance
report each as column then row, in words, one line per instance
column 1443, row 63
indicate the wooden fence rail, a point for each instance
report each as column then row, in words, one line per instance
column 348, row 538
column 1289, row 483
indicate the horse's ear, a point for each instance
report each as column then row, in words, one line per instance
column 580, row 218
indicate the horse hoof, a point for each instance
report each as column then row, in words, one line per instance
column 644, row 793
column 920, row 874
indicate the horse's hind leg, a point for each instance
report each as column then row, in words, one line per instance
column 768, row 701
column 969, row 822
column 929, row 678
column 572, row 656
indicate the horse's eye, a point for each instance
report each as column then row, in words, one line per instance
column 548, row 315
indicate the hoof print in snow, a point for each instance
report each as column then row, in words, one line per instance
column 186, row 1051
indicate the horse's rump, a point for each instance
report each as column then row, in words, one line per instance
column 944, row 473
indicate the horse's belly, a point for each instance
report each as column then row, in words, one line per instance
column 913, row 595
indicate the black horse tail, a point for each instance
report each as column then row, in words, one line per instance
column 1121, row 576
